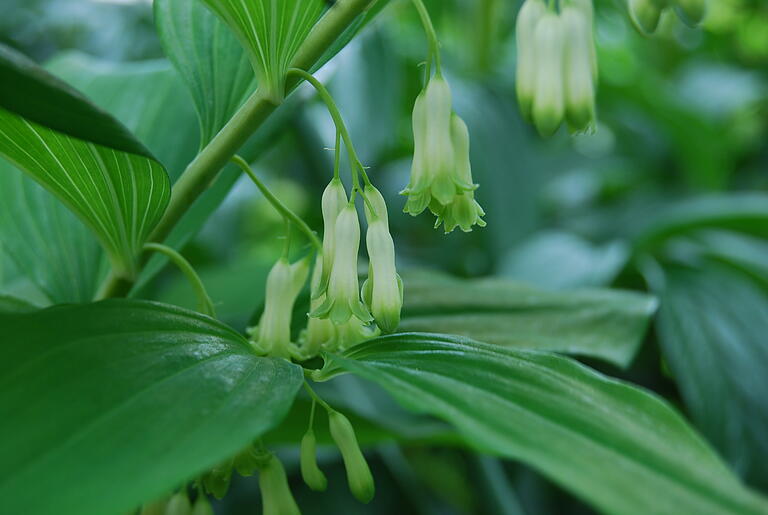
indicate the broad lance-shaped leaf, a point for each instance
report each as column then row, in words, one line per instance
column 210, row 59
column 272, row 32
column 712, row 326
column 109, row 405
column 108, row 179
column 46, row 241
column 620, row 448
column 607, row 324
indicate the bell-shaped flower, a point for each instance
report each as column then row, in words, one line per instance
column 578, row 69
column 284, row 283
column 525, row 78
column 692, row 12
column 276, row 496
column 359, row 475
column 310, row 472
column 433, row 174
column 645, row 14
column 463, row 211
column 342, row 297
column 549, row 102
column 333, row 201
column 383, row 289
column 320, row 332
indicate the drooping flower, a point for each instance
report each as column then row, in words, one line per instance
column 692, row 12
column 463, row 211
column 383, row 289
column 549, row 100
column 342, row 297
column 333, row 201
column 353, row 332
column 310, row 472
column 578, row 68
column 284, row 283
column 433, row 172
column 359, row 475
column 320, row 333
column 525, row 80
column 276, row 496
column 645, row 14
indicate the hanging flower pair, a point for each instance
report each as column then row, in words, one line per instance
column 556, row 65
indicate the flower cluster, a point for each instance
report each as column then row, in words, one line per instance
column 441, row 176
column 556, row 65
column 646, row 14
column 340, row 315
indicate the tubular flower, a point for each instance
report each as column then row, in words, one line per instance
column 320, row 332
column 333, row 201
column 463, row 211
column 359, row 475
column 549, row 101
column 692, row 12
column 645, row 14
column 433, row 172
column 578, row 68
column 284, row 283
column 383, row 290
column 310, row 472
column 529, row 15
column 353, row 332
column 343, row 295
column 276, row 496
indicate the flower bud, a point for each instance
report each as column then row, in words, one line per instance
column 525, row 80
column 359, row 475
column 276, row 496
column 549, row 101
column 692, row 12
column 433, row 174
column 320, row 332
column 202, row 506
column 586, row 7
column 334, row 200
column 383, row 290
column 343, row 295
column 284, row 283
column 247, row 461
column 179, row 505
column 463, row 211
column 579, row 78
column 310, row 472
column 645, row 15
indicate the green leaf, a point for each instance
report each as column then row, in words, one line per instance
column 46, row 241
column 10, row 304
column 213, row 64
column 560, row 260
column 606, row 324
column 742, row 212
column 620, row 448
column 108, row 405
column 271, row 31
column 112, row 184
column 712, row 325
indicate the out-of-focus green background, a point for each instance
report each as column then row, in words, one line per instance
column 682, row 115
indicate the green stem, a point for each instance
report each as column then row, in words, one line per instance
column 341, row 128
column 278, row 205
column 337, row 156
column 316, row 398
column 251, row 115
column 204, row 304
column 429, row 28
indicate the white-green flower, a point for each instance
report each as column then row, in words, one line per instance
column 525, row 79
column 463, row 211
column 433, row 172
column 354, row 331
column 333, row 201
column 549, row 100
column 284, row 283
column 691, row 12
column 578, row 68
column 320, row 333
column 383, row 289
column 645, row 14
column 343, row 294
